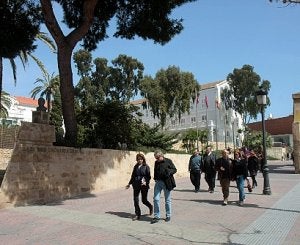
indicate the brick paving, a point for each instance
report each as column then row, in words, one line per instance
column 197, row 218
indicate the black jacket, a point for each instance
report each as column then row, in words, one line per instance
column 209, row 162
column 138, row 173
column 239, row 167
column 227, row 165
column 163, row 169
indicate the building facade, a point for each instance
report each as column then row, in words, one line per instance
column 207, row 113
column 20, row 110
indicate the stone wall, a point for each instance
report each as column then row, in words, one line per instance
column 42, row 174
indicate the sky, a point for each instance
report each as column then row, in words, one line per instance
column 218, row 36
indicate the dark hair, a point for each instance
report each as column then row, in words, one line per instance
column 140, row 155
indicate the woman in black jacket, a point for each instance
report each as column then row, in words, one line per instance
column 240, row 173
column 140, row 179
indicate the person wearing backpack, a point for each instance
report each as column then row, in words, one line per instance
column 195, row 169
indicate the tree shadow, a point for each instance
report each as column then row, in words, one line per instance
column 281, row 169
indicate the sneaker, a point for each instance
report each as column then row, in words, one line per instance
column 225, row 202
column 168, row 219
column 137, row 217
column 154, row 220
column 249, row 188
column 151, row 210
column 241, row 203
column 211, row 191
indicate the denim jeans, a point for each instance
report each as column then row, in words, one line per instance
column 158, row 187
column 240, row 181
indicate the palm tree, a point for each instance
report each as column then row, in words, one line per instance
column 23, row 56
column 49, row 87
column 5, row 104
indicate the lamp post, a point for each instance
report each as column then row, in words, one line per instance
column 261, row 97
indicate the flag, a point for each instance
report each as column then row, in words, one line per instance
column 217, row 104
column 197, row 100
column 206, row 101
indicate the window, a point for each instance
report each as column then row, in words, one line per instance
column 182, row 121
column 193, row 119
column 203, row 117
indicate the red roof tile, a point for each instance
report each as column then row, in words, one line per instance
column 27, row 101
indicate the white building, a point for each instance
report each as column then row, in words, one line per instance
column 209, row 113
column 20, row 110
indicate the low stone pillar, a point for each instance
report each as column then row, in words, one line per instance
column 296, row 132
column 36, row 134
column 40, row 117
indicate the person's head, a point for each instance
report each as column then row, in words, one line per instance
column 208, row 149
column 237, row 154
column 224, row 153
column 159, row 155
column 140, row 158
column 196, row 152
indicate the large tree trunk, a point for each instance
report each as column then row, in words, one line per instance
column 67, row 94
column 65, row 46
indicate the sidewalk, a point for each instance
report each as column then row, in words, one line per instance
column 197, row 218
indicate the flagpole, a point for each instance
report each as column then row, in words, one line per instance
column 217, row 114
column 197, row 129
column 206, row 105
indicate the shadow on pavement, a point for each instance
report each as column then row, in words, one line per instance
column 282, row 169
column 129, row 215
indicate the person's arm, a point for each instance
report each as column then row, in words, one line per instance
column 148, row 175
column 171, row 168
column 131, row 178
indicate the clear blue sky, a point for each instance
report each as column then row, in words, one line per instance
column 218, row 36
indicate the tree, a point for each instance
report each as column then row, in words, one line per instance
column 19, row 24
column 287, row 1
column 170, row 93
column 5, row 104
column 88, row 21
column 49, row 86
column 99, row 81
column 189, row 139
column 253, row 140
column 241, row 93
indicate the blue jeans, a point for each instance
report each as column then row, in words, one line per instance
column 158, row 187
column 240, row 180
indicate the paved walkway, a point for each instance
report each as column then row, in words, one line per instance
column 198, row 218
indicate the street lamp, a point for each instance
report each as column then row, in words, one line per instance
column 261, row 97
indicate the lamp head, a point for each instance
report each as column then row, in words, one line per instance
column 261, row 97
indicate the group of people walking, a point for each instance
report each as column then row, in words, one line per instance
column 243, row 165
column 164, row 169
column 239, row 168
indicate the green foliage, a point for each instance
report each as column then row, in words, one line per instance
column 5, row 104
column 189, row 139
column 19, row 25
column 253, row 140
column 169, row 93
column 103, row 82
column 48, row 88
column 241, row 93
column 56, row 118
column 153, row 138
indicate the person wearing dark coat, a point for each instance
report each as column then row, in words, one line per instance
column 253, row 167
column 224, row 168
column 209, row 161
column 140, row 179
column 240, row 173
column 195, row 169
column 164, row 169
